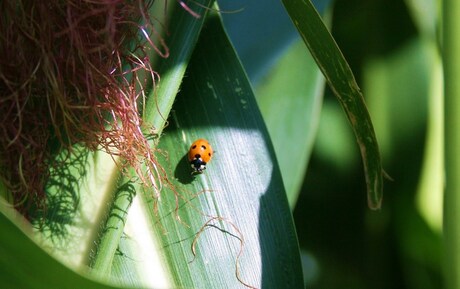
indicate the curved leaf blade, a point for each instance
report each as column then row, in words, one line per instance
column 242, row 185
column 25, row 265
column 342, row 82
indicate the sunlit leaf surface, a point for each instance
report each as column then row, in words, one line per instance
column 25, row 265
column 253, row 239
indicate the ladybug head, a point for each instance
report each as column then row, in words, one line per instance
column 197, row 164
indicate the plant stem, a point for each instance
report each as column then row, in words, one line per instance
column 451, row 59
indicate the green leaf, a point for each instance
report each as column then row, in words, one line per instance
column 253, row 238
column 184, row 31
column 80, row 186
column 290, row 100
column 25, row 265
column 342, row 82
column 183, row 34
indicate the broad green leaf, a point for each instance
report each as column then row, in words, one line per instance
column 342, row 82
column 235, row 216
column 77, row 195
column 290, row 101
column 257, row 41
column 183, row 31
column 25, row 265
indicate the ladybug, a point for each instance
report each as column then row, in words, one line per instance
column 199, row 154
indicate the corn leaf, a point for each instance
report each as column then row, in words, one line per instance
column 340, row 78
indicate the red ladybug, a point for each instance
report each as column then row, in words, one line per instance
column 199, row 155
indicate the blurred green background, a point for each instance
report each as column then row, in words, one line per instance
column 391, row 46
